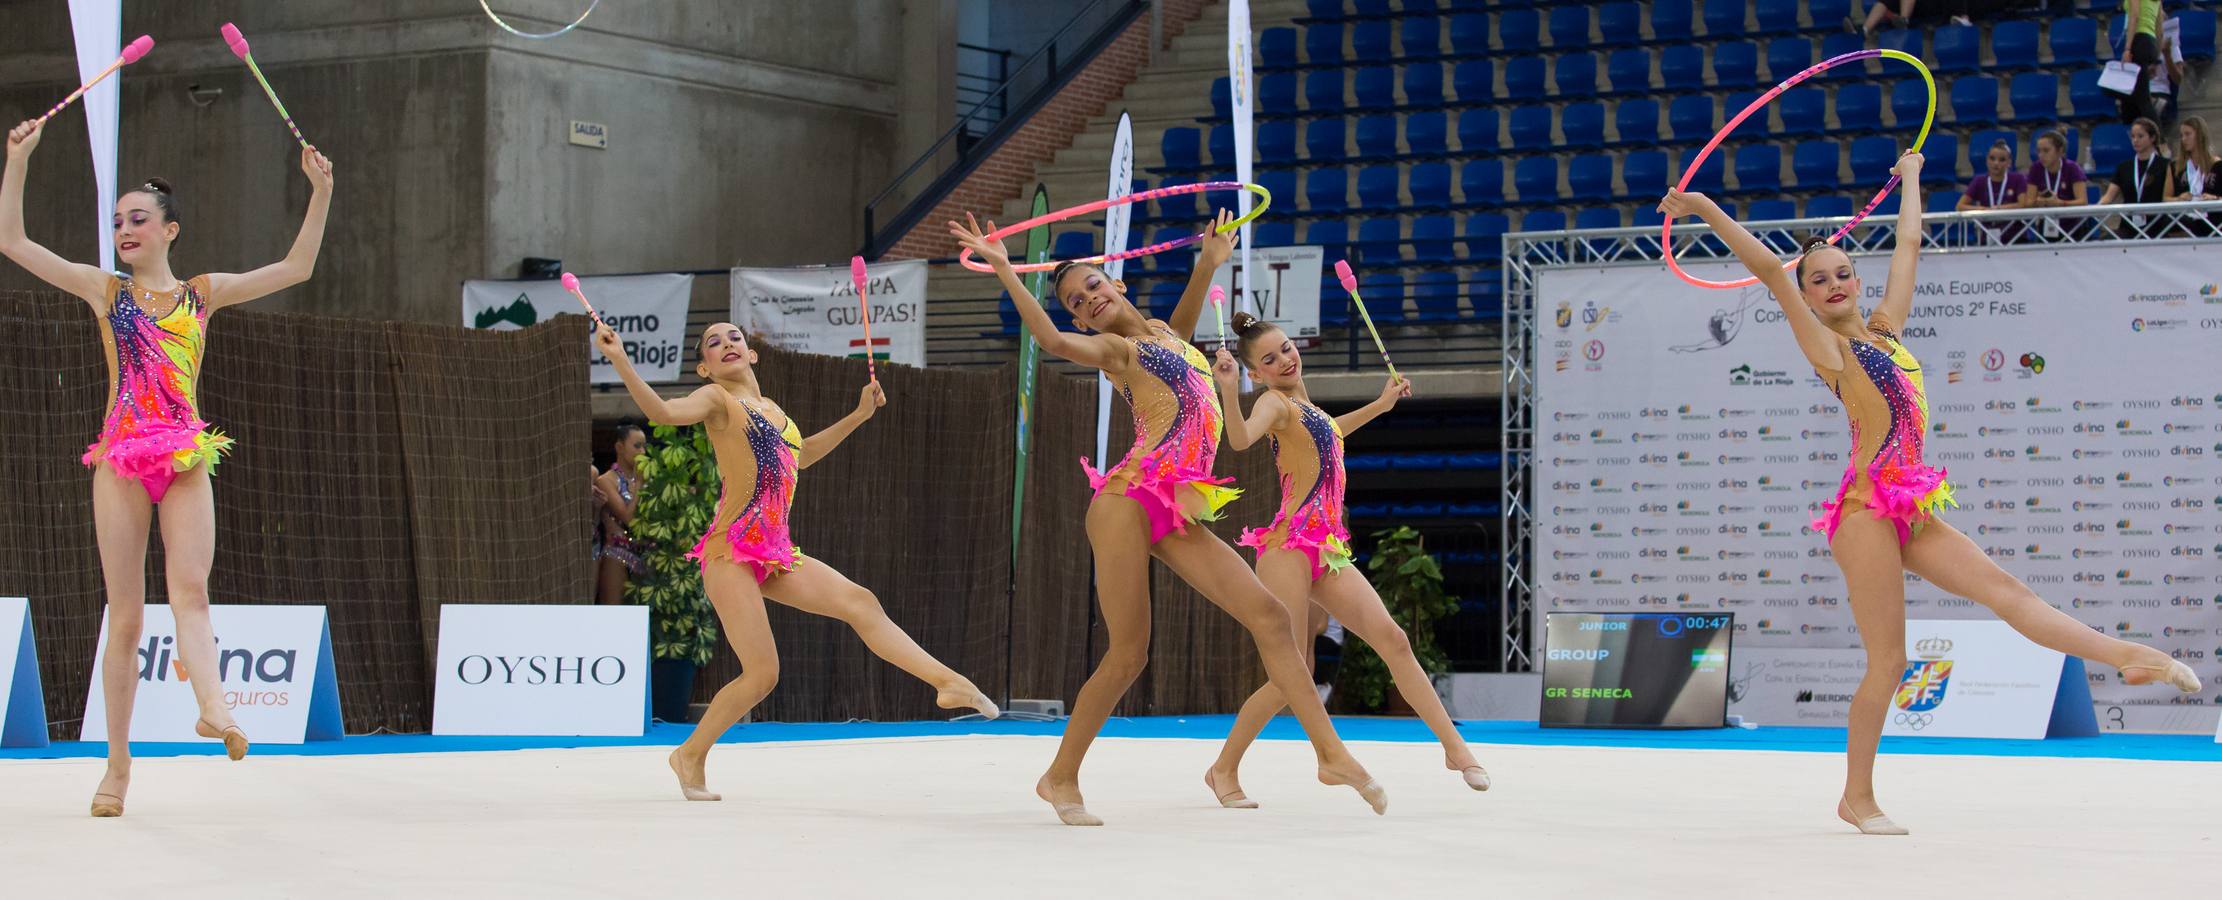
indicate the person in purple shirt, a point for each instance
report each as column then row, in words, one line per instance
column 1999, row 187
column 2055, row 180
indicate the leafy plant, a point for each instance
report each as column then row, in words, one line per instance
column 677, row 499
column 1410, row 583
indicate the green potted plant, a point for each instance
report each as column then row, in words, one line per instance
column 1410, row 583
column 678, row 498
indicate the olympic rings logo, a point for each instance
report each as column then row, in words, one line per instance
column 1914, row 720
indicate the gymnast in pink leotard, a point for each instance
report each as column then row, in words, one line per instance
column 1144, row 506
column 1304, row 555
column 154, row 447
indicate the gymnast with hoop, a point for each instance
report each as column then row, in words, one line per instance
column 154, row 455
column 1885, row 518
column 748, row 554
column 1145, row 503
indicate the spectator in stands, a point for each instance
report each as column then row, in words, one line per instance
column 1999, row 187
column 2145, row 177
column 2054, row 180
column 1912, row 13
column 618, row 556
column 2142, row 48
column 2200, row 166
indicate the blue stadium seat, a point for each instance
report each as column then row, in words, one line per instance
column 1589, row 177
column 2109, row 147
column 1570, row 26
column 1332, row 236
column 1682, row 68
column 1759, row 168
column 1872, row 157
column 1725, row 18
column 2014, row 44
column 1430, row 185
column 1909, row 100
column 1180, row 146
column 1523, row 77
column 2035, row 96
column 1075, row 244
column 1583, row 124
column 1432, row 237
column 1690, row 117
column 1629, row 70
column 1762, row 119
column 1711, row 177
column 1959, row 48
column 1804, row 111
column 1535, row 179
column 1519, row 30
column 1637, row 121
column 1474, row 82
column 2198, row 34
column 1828, row 15
column 1787, row 56
column 1274, row 234
column 1477, row 131
column 1277, row 94
column 1620, row 23
column 1325, row 141
column 1944, row 147
column 1772, row 210
column 1277, row 49
column 1324, row 9
column 1370, row 7
column 1815, row 163
column 1469, row 35
column 1282, row 184
column 1435, row 296
column 1323, row 44
column 1327, row 190
column 1165, row 262
column 1838, row 44
column 1276, row 143
column 1375, row 88
column 1423, row 84
column 2074, row 42
column 1384, row 295
column 1543, row 220
column 1979, row 147
column 1485, row 236
column 1575, row 74
column 1974, row 100
column 1598, row 217
column 2086, row 100
column 1376, row 137
column 1644, row 173
column 1178, row 206
column 1421, row 37
column 1221, row 144
column 1829, row 207
column 1670, row 21
column 1164, row 297
column 1905, row 40
column 1222, row 102
column 1323, row 90
column 1776, row 17
column 1531, row 127
column 1426, row 134
column 1481, row 182
column 1380, row 242
column 1378, row 187
column 1485, row 300
column 1369, row 42
column 1859, row 107
column 1735, row 64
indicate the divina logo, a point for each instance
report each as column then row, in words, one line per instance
column 539, row 670
column 158, row 662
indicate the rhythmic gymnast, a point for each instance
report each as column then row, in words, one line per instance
column 1304, row 555
column 1144, row 504
column 747, row 555
column 155, row 453
column 1884, row 520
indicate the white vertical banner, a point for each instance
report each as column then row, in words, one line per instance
column 1116, row 222
column 97, row 26
column 541, row 669
column 1243, row 91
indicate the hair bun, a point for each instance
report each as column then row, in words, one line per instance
column 1243, row 322
column 158, row 185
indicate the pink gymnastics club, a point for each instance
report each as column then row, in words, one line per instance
column 571, row 283
column 1350, row 283
column 130, row 55
column 856, row 271
column 238, row 44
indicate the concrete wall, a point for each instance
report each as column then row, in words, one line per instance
column 741, row 132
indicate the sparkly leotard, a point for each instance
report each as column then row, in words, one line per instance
column 1177, row 423
column 154, row 430
column 1310, row 520
column 754, row 525
column 1882, row 395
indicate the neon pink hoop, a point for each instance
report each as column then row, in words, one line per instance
column 1265, row 199
column 1666, row 229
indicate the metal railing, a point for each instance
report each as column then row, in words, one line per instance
column 981, row 87
column 1030, row 84
column 1528, row 253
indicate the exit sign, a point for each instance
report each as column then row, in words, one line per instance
column 590, row 134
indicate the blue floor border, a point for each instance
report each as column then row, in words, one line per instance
column 2175, row 747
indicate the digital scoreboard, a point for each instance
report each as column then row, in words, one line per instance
column 1636, row 670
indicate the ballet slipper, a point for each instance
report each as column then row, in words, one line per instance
column 2175, row 674
column 1070, row 812
column 1476, row 777
column 1233, row 799
column 692, row 791
column 1875, row 824
column 107, row 810
column 235, row 740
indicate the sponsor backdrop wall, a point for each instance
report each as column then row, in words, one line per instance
column 1683, row 446
column 813, row 309
column 648, row 311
